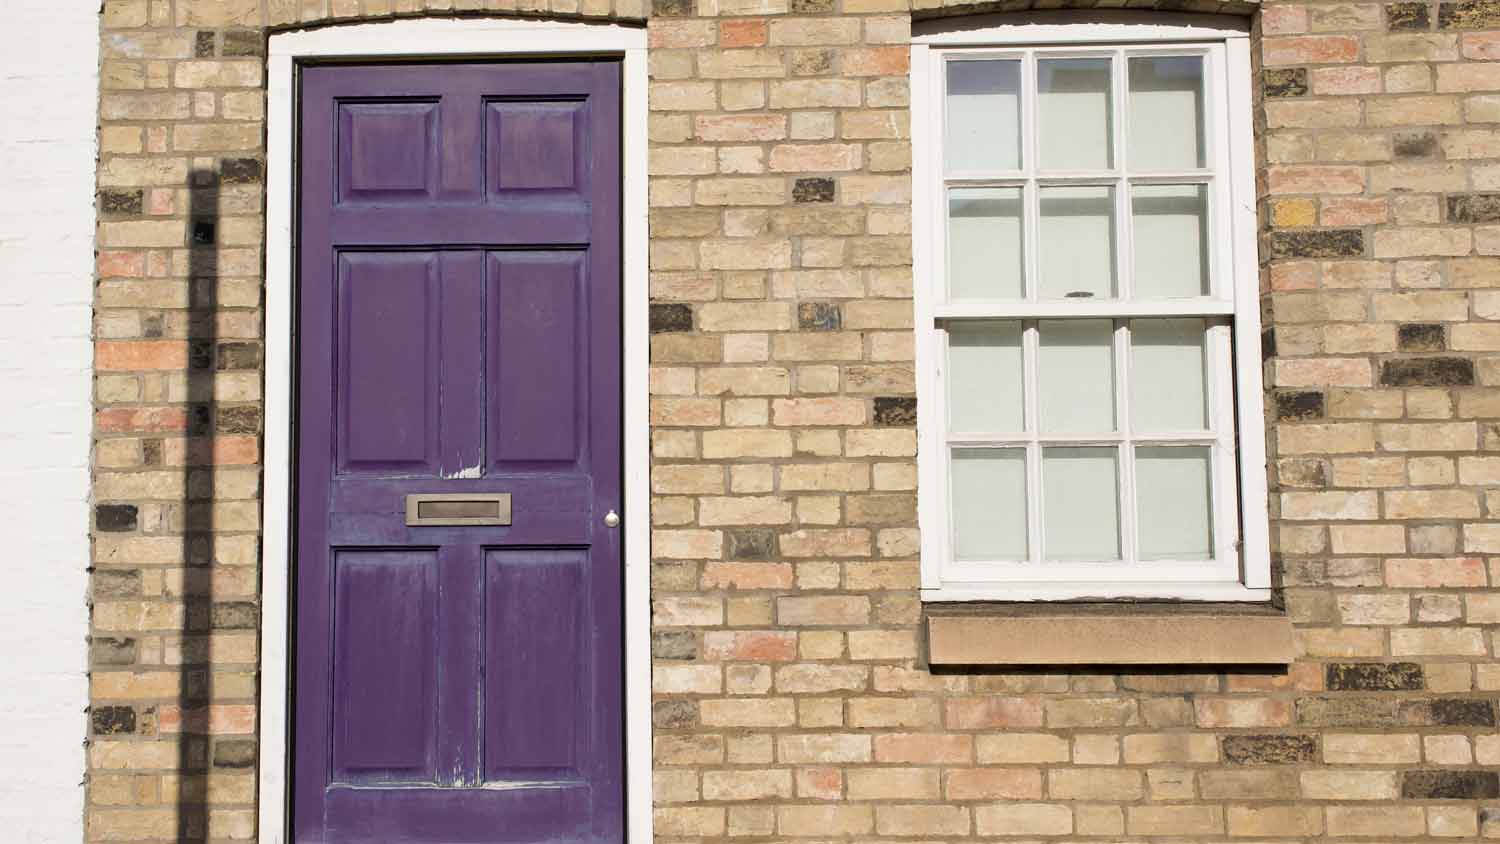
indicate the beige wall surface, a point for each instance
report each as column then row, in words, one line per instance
column 791, row 694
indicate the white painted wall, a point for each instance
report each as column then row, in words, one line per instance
column 49, row 88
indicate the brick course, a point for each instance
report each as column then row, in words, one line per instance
column 790, row 699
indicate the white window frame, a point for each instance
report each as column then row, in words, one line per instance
column 1241, row 571
column 444, row 38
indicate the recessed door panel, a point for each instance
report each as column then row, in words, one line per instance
column 537, row 402
column 389, row 322
column 385, row 666
column 534, row 723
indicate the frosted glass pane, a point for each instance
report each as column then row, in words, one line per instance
column 983, row 120
column 984, row 243
column 1166, row 376
column 1171, row 240
column 1166, row 113
column 984, row 377
column 1077, row 242
column 1172, row 490
column 1079, row 498
column 988, row 502
column 1075, row 384
column 1073, row 102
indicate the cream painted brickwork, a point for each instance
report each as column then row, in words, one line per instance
column 791, row 701
column 46, row 231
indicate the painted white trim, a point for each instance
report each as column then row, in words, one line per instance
column 1241, row 571
column 50, row 151
column 1076, row 28
column 430, row 38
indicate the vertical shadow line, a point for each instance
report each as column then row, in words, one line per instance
column 196, row 689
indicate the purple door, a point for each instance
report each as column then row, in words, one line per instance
column 458, row 587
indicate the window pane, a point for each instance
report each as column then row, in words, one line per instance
column 984, row 123
column 1171, row 240
column 984, row 243
column 1073, row 100
column 984, row 377
column 1166, row 375
column 1172, row 490
column 1077, row 242
column 988, row 503
column 1076, row 384
column 1079, row 500
column 1166, row 113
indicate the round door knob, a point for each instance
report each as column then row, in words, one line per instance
column 611, row 519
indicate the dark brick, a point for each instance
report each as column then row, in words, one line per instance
column 237, row 171
column 895, row 411
column 237, row 420
column 1374, row 676
column 671, row 317
column 1407, row 16
column 1285, row 82
column 235, row 615
column 1474, row 208
column 1267, row 344
column 244, row 42
column 1306, row 404
column 671, row 8
column 200, row 354
column 674, row 644
column 115, row 518
column 812, row 190
column 1449, row 712
column 1450, row 785
column 203, row 44
column 205, row 232
column 750, row 544
column 1332, row 243
column 1427, row 372
column 1415, row 145
column 152, row 324
column 106, row 650
column 674, row 714
column 234, row 753
column 120, row 201
column 200, row 421
column 1469, row 14
column 1269, row 750
column 811, row 7
column 811, row 62
column 151, row 452
column 116, row 583
column 238, row 356
column 819, row 316
column 112, row 720
column 1419, row 337
column 1349, row 711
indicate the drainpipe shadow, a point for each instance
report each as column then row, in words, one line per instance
column 196, row 690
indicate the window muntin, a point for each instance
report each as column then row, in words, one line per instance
column 1084, row 276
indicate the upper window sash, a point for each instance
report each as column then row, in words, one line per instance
column 1027, row 183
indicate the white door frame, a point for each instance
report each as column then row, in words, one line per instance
column 448, row 38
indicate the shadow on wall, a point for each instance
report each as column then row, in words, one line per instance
column 200, row 753
column 197, row 684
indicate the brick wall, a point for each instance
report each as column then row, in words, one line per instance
column 46, row 227
column 790, row 701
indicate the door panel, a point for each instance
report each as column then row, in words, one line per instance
column 532, row 729
column 385, row 614
column 541, row 340
column 459, row 318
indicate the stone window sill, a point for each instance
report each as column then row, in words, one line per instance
column 1140, row 633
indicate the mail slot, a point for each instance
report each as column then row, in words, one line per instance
column 452, row 509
